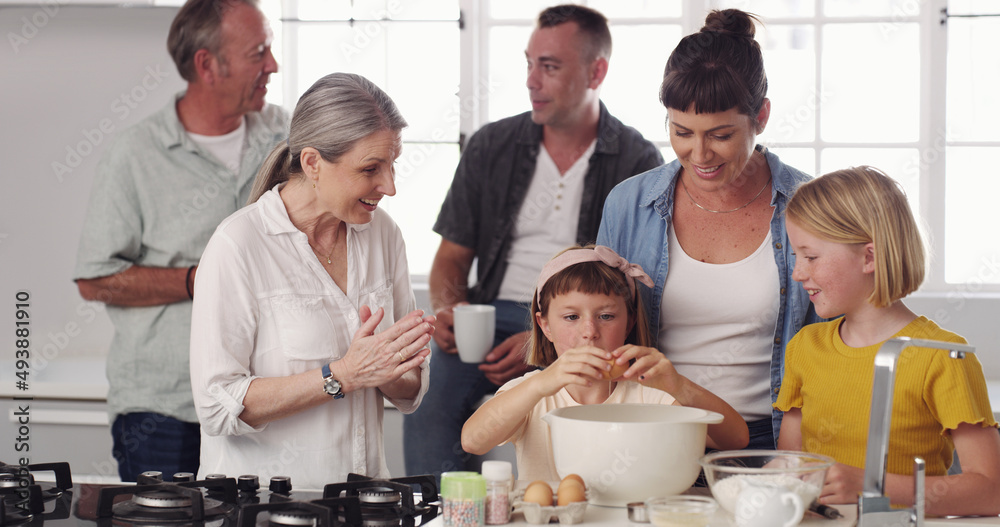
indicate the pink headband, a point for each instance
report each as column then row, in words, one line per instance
column 598, row 254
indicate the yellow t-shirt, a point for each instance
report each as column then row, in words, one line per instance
column 832, row 384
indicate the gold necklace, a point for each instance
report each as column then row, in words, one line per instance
column 328, row 257
column 743, row 206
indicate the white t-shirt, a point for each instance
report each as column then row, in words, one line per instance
column 546, row 223
column 717, row 325
column 264, row 306
column 532, row 440
column 227, row 148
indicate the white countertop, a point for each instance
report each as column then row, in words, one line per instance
column 612, row 516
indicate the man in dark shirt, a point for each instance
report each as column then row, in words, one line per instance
column 526, row 187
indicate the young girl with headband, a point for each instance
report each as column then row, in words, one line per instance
column 858, row 253
column 586, row 320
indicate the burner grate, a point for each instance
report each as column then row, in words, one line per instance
column 178, row 502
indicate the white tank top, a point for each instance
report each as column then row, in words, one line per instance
column 717, row 325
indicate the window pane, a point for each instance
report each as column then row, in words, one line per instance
column 973, row 77
column 324, row 10
column 631, row 89
column 637, row 8
column 382, row 52
column 325, row 48
column 406, row 9
column 377, row 10
column 517, row 9
column 901, row 164
column 425, row 90
column 871, row 83
column 507, row 72
column 971, row 6
column 790, row 63
column 423, row 175
column 773, row 8
column 803, row 159
column 854, row 8
column 972, row 252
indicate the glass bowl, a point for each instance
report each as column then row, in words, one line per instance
column 675, row 511
column 728, row 473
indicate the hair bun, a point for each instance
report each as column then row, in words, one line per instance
column 730, row 21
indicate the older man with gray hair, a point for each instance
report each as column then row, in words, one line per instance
column 160, row 191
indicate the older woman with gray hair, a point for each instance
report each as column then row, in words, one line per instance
column 304, row 317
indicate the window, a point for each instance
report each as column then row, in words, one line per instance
column 408, row 48
column 851, row 82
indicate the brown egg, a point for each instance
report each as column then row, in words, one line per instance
column 538, row 492
column 577, row 478
column 616, row 370
column 570, row 491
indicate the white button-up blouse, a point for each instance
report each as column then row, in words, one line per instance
column 265, row 307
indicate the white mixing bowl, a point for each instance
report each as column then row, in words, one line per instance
column 629, row 452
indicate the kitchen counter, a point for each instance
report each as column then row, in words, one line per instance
column 612, row 516
column 67, row 379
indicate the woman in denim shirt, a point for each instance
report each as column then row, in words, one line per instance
column 725, row 309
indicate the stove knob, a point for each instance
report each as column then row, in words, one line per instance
column 183, row 477
column 211, row 477
column 280, row 484
column 153, row 474
column 248, row 484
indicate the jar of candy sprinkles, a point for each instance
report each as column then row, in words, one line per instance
column 463, row 499
column 498, row 485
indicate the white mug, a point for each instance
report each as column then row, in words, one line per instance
column 475, row 325
column 768, row 505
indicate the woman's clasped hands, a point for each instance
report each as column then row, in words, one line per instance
column 376, row 360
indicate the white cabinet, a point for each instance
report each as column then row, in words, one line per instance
column 58, row 430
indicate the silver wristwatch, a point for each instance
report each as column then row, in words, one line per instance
column 330, row 385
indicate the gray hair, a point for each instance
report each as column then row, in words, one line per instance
column 198, row 25
column 331, row 116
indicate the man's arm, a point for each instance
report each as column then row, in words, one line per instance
column 448, row 283
column 139, row 286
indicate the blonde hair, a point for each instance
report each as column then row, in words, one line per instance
column 590, row 278
column 862, row 205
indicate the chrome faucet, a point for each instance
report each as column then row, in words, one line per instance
column 873, row 506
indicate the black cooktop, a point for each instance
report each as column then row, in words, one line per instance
column 217, row 501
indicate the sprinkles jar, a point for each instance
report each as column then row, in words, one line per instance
column 498, row 484
column 463, row 497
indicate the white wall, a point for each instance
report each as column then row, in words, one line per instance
column 72, row 77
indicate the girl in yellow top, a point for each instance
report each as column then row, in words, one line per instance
column 586, row 315
column 858, row 253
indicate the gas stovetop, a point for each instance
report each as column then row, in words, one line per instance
column 216, row 501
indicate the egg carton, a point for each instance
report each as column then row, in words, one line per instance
column 537, row 514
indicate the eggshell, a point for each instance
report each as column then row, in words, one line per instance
column 538, row 492
column 616, row 370
column 570, row 491
column 577, row 478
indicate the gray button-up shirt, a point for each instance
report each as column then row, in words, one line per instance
column 157, row 198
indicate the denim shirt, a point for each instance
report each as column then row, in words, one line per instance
column 492, row 180
column 637, row 216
